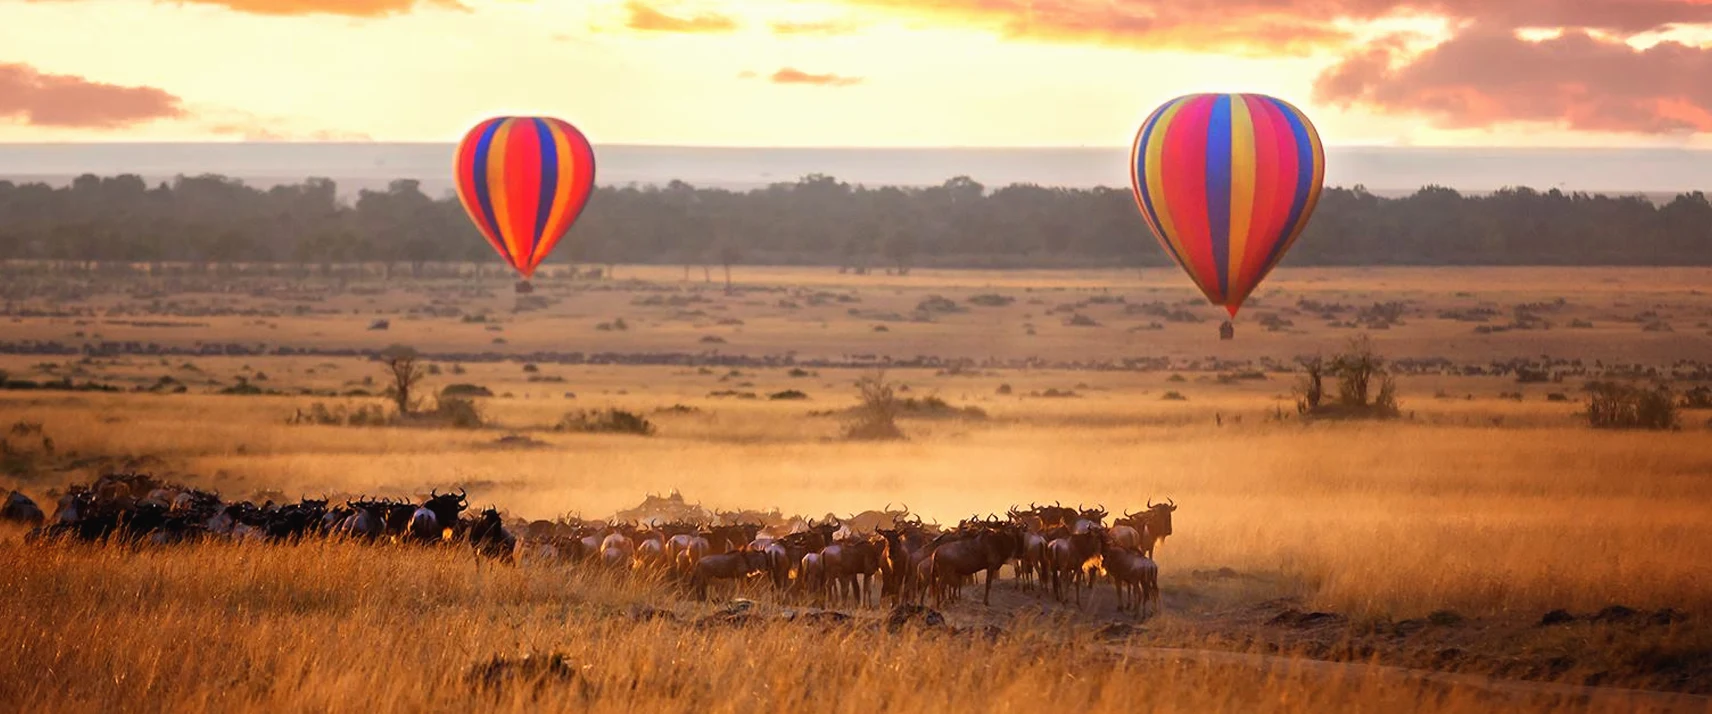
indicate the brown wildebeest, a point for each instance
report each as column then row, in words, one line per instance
column 812, row 576
column 726, row 566
column 850, row 565
column 20, row 509
column 870, row 521
column 1068, row 557
column 490, row 539
column 618, row 548
column 1158, row 524
column 1134, row 576
column 987, row 546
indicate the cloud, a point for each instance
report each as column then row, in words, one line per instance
column 1241, row 26
column 824, row 28
column 1272, row 27
column 649, row 19
column 69, row 101
column 347, row 8
column 791, row 75
column 1484, row 77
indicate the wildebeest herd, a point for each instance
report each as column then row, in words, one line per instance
column 829, row 559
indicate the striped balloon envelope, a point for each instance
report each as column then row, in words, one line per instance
column 524, row 181
column 1227, row 182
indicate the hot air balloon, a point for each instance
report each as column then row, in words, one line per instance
column 524, row 181
column 1227, row 182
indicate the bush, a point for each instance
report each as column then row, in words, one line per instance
column 991, row 300
column 1365, row 389
column 608, row 421
column 321, row 415
column 465, row 390
column 1697, row 398
column 457, row 413
column 787, row 394
column 876, row 418
column 1614, row 405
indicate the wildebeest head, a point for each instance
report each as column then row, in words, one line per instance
column 1159, row 516
column 446, row 506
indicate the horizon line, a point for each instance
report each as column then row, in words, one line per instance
column 824, row 147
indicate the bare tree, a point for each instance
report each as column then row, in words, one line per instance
column 406, row 368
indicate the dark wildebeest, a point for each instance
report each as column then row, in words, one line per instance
column 429, row 523
column 367, row 520
column 489, row 538
column 733, row 565
column 20, row 509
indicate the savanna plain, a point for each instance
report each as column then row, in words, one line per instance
column 1483, row 549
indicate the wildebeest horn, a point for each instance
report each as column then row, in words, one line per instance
column 1170, row 502
column 1150, row 503
column 811, row 522
column 1033, row 507
column 433, row 493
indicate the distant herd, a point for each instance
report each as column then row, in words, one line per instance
column 827, row 560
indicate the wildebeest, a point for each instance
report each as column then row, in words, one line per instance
column 981, row 546
column 490, row 539
column 850, row 565
column 20, row 509
column 1134, row 576
column 1153, row 524
column 726, row 566
column 870, row 521
column 429, row 523
column 1068, row 557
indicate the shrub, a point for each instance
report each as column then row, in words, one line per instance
column 457, row 413
column 607, row 421
column 787, row 394
column 465, row 390
column 1365, row 389
column 876, row 418
column 1174, row 396
column 991, row 300
column 1615, row 405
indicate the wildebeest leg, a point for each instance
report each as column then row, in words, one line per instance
column 987, row 597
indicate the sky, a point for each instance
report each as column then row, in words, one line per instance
column 900, row 73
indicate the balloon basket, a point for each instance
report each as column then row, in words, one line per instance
column 1227, row 330
column 524, row 288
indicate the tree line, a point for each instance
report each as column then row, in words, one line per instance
column 819, row 220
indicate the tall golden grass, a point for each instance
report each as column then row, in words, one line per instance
column 1393, row 519
column 345, row 628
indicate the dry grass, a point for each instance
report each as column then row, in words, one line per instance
column 1391, row 519
column 334, row 628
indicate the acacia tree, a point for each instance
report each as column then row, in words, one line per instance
column 404, row 365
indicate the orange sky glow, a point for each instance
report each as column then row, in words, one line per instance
column 853, row 72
